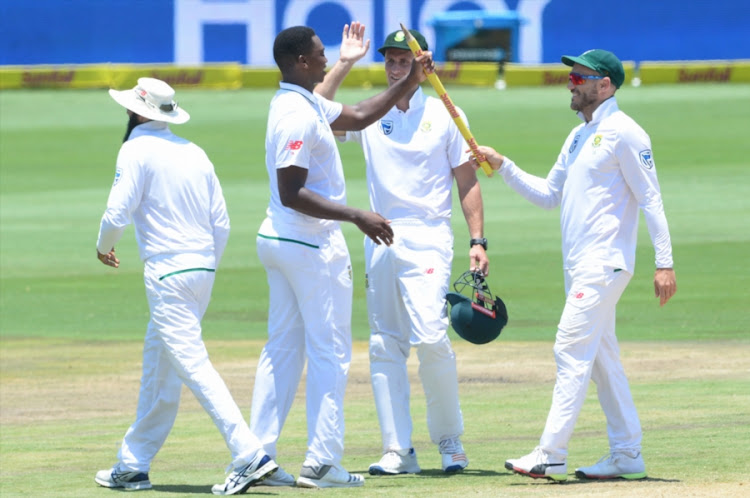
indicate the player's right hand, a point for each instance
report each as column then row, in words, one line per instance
column 422, row 65
column 353, row 48
column 375, row 226
column 108, row 259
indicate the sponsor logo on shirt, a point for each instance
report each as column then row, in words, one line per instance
column 574, row 144
column 647, row 158
column 294, row 145
column 386, row 126
column 597, row 141
column 118, row 175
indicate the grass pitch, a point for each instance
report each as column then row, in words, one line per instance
column 72, row 329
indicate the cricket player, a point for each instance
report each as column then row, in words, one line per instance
column 167, row 187
column 303, row 250
column 604, row 174
column 413, row 155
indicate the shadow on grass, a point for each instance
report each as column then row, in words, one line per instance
column 578, row 481
column 190, row 489
column 436, row 473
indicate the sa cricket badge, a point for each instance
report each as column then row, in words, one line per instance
column 574, row 144
column 647, row 158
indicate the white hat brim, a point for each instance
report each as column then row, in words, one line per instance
column 129, row 100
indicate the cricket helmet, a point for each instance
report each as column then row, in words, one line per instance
column 480, row 318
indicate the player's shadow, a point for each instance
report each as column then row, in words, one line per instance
column 575, row 481
column 473, row 472
column 191, row 489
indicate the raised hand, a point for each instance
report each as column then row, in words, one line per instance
column 353, row 46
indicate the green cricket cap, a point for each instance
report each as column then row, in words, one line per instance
column 603, row 62
column 397, row 39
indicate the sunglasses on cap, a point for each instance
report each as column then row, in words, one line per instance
column 580, row 79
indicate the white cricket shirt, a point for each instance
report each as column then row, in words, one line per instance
column 410, row 156
column 299, row 134
column 605, row 172
column 167, row 186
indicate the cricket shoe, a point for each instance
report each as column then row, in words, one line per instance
column 118, row 478
column 537, row 465
column 328, row 476
column 396, row 462
column 280, row 477
column 613, row 466
column 243, row 477
column 454, row 457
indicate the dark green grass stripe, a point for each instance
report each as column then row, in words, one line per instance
column 288, row 240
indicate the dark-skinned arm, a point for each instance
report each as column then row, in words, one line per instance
column 359, row 116
column 295, row 195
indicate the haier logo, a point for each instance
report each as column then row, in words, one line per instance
column 203, row 27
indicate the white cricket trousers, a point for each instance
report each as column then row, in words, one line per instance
column 586, row 348
column 309, row 317
column 406, row 287
column 173, row 354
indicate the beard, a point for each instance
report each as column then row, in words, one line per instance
column 584, row 100
column 132, row 123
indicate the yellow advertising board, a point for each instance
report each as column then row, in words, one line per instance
column 217, row 76
column 516, row 75
column 224, row 76
column 718, row 71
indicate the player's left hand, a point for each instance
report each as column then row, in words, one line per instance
column 665, row 284
column 479, row 263
column 353, row 48
column 108, row 259
column 493, row 157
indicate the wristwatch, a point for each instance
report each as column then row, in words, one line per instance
column 482, row 242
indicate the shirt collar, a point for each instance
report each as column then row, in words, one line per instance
column 418, row 99
column 291, row 87
column 606, row 108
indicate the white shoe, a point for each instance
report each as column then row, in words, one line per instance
column 118, row 478
column 248, row 475
column 279, row 478
column 328, row 476
column 537, row 464
column 613, row 466
column 454, row 457
column 396, row 462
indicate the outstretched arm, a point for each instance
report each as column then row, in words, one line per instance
column 359, row 116
column 353, row 48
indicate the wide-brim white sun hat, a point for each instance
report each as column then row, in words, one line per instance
column 153, row 99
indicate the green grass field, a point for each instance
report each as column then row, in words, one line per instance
column 71, row 329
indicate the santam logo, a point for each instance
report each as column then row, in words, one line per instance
column 179, row 78
column 553, row 78
column 47, row 78
column 711, row 74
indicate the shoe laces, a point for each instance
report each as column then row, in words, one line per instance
column 539, row 455
column 451, row 446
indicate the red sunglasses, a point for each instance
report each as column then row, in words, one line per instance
column 580, row 79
